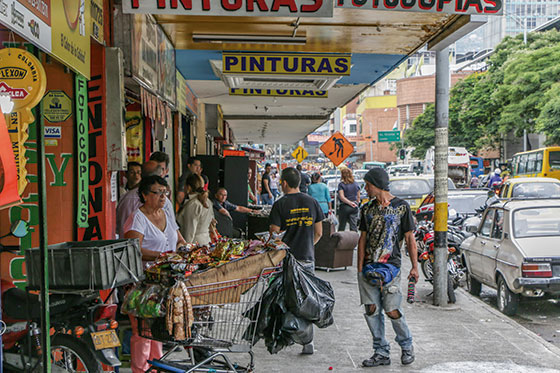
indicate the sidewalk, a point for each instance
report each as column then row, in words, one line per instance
column 469, row 336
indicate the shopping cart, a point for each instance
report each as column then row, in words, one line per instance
column 225, row 317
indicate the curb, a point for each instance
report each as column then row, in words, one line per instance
column 549, row 346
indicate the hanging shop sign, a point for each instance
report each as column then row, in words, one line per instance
column 82, row 155
column 192, row 101
column 491, row 7
column 57, row 106
column 134, row 135
column 181, row 93
column 23, row 78
column 8, row 171
column 278, row 92
column 96, row 11
column 247, row 8
column 166, row 67
column 292, row 64
column 71, row 26
column 144, row 50
column 30, row 19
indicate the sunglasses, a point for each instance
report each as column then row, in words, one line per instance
column 162, row 192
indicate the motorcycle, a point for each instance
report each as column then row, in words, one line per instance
column 455, row 270
column 82, row 331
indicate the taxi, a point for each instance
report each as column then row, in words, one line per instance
column 530, row 187
column 413, row 189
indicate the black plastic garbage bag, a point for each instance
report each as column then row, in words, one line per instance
column 299, row 329
column 306, row 295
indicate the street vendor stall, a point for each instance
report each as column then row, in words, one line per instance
column 199, row 296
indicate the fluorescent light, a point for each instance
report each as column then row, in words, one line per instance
column 248, row 39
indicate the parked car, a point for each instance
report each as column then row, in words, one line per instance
column 530, row 187
column 515, row 250
column 401, row 169
column 463, row 201
column 413, row 189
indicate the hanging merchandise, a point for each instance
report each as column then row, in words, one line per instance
column 8, row 172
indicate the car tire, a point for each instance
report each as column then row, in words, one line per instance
column 473, row 285
column 507, row 300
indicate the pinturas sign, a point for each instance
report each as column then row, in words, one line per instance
column 246, row 8
column 278, row 92
column 494, row 7
column 292, row 64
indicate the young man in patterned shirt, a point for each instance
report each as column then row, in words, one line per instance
column 384, row 222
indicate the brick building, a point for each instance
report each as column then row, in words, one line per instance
column 413, row 94
column 376, row 113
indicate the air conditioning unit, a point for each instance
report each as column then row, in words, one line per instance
column 301, row 82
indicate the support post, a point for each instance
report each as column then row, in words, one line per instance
column 440, row 177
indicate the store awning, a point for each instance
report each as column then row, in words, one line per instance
column 377, row 40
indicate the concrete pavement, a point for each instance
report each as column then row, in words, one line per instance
column 469, row 336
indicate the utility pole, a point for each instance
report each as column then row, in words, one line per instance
column 440, row 177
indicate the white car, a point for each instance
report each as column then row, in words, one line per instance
column 516, row 250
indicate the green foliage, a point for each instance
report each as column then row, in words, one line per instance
column 519, row 91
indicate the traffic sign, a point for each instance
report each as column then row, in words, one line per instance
column 337, row 148
column 389, row 136
column 299, row 154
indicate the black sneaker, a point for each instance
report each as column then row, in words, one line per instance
column 376, row 360
column 407, row 356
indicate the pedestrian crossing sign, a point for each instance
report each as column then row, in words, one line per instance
column 337, row 148
column 299, row 154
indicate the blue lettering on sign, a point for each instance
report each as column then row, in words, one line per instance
column 342, row 65
column 230, row 61
column 53, row 132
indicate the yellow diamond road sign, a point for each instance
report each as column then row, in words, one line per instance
column 299, row 154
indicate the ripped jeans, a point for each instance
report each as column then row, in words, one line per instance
column 388, row 299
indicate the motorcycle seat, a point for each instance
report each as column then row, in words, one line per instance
column 14, row 303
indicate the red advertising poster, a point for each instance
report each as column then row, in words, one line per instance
column 102, row 215
column 8, row 172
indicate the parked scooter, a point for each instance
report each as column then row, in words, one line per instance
column 82, row 328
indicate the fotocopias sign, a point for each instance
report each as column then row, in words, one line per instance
column 493, row 7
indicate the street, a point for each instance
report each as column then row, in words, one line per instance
column 540, row 316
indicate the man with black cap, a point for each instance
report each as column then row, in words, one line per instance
column 384, row 222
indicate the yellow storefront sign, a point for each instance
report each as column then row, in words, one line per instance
column 286, row 64
column 23, row 79
column 71, row 29
column 57, row 106
column 278, row 92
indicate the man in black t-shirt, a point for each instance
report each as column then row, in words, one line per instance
column 305, row 180
column 301, row 217
column 384, row 222
column 266, row 194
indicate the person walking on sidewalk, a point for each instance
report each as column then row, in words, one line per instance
column 301, row 217
column 385, row 221
column 266, row 194
column 349, row 195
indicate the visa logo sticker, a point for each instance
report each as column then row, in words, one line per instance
column 53, row 132
column 286, row 64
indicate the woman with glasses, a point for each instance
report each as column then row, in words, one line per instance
column 157, row 232
column 196, row 218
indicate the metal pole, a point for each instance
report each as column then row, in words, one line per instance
column 440, row 177
column 44, row 296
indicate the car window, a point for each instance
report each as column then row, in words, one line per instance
column 536, row 222
column 409, row 186
column 466, row 203
column 498, row 228
column 532, row 190
column 487, row 223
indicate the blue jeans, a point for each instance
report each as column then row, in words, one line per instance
column 267, row 199
column 388, row 298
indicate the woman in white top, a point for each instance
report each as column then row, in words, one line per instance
column 274, row 184
column 197, row 216
column 157, row 232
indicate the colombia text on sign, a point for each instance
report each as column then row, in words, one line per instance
column 494, row 7
column 292, row 64
column 278, row 92
column 247, row 8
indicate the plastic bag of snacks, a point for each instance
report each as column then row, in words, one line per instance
column 131, row 299
column 151, row 302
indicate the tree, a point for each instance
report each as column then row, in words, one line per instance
column 549, row 119
column 422, row 132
